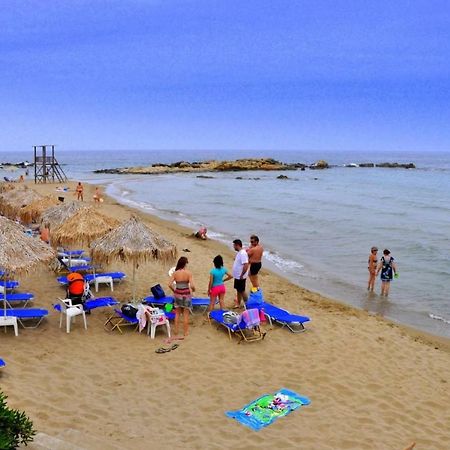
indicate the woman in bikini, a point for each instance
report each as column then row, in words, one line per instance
column 184, row 286
column 372, row 268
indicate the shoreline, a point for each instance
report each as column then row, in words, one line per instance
column 415, row 333
column 272, row 267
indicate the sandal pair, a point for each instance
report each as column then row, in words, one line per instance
column 167, row 350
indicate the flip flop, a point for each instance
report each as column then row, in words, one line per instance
column 162, row 350
column 174, row 347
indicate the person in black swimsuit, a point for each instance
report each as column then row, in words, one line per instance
column 255, row 254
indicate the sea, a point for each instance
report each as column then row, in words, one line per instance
column 317, row 226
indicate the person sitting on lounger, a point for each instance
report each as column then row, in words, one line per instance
column 75, row 288
column 216, row 287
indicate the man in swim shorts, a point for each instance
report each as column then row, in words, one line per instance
column 240, row 271
column 255, row 254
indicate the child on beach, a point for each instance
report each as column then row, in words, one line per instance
column 97, row 196
column 372, row 264
column 388, row 270
column 216, row 287
column 184, row 286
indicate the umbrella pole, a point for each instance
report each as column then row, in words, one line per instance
column 134, row 282
column 4, row 295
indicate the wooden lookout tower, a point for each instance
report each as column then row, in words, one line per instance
column 46, row 167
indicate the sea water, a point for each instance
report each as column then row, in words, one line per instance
column 317, row 226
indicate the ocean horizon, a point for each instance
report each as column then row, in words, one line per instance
column 317, row 226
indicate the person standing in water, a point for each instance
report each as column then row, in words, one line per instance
column 255, row 254
column 372, row 264
column 388, row 270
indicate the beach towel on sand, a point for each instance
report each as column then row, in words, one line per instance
column 268, row 408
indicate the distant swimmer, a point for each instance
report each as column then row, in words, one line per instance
column 79, row 191
column 255, row 254
column 388, row 270
column 372, row 264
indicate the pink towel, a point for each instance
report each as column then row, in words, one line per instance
column 251, row 317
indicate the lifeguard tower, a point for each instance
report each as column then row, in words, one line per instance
column 46, row 167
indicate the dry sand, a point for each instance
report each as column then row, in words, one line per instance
column 373, row 384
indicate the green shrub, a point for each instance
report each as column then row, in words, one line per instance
column 15, row 427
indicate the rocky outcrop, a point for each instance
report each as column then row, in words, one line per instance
column 237, row 165
column 396, row 165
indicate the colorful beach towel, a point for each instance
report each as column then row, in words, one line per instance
column 268, row 408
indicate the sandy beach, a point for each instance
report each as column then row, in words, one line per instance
column 373, row 384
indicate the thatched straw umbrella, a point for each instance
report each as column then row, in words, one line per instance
column 12, row 201
column 19, row 252
column 5, row 186
column 132, row 242
column 56, row 216
column 83, row 227
column 34, row 210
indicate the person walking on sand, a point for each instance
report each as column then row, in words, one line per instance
column 79, row 191
column 184, row 286
column 240, row 272
column 255, row 254
column 216, row 286
column 97, row 196
column 372, row 264
column 388, row 270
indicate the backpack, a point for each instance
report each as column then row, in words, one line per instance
column 129, row 311
column 158, row 291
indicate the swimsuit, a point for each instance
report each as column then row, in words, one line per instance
column 255, row 268
column 182, row 295
column 386, row 271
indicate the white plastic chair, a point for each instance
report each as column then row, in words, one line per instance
column 9, row 321
column 104, row 280
column 70, row 311
column 157, row 318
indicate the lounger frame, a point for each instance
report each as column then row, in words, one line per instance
column 119, row 320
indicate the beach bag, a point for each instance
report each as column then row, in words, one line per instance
column 129, row 311
column 158, row 291
column 231, row 317
column 255, row 298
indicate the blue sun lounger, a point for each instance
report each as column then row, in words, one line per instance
column 116, row 276
column 196, row 301
column 10, row 285
column 26, row 314
column 23, row 297
column 237, row 328
column 119, row 320
column 100, row 302
column 2, row 363
column 292, row 322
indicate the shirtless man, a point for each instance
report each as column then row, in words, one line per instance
column 255, row 254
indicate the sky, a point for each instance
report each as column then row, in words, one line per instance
column 207, row 74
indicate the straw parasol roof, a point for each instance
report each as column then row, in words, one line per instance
column 133, row 241
column 12, row 201
column 19, row 252
column 6, row 186
column 34, row 210
column 83, row 227
column 57, row 215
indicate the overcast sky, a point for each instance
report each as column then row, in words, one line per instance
column 205, row 74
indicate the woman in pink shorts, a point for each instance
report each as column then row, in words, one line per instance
column 216, row 287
